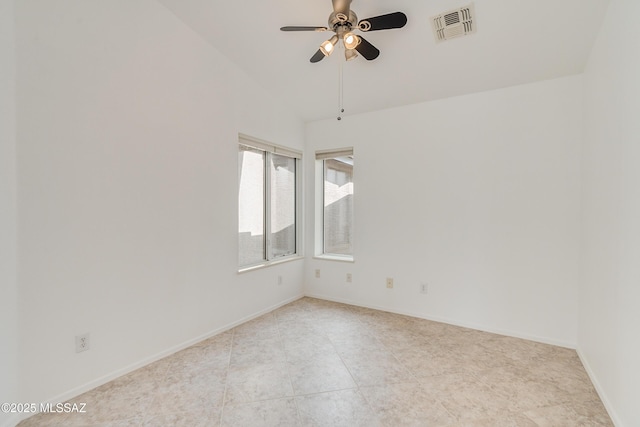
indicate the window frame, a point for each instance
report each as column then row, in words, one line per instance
column 270, row 149
column 320, row 252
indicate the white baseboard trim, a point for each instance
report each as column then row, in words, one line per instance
column 482, row 328
column 603, row 396
column 154, row 358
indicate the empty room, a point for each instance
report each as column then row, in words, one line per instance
column 319, row 213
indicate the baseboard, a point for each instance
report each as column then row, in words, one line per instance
column 158, row 356
column 454, row 322
column 603, row 396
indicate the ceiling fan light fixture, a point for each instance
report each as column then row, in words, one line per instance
column 351, row 41
column 350, row 54
column 328, row 46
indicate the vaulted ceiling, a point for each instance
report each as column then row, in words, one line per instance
column 517, row 42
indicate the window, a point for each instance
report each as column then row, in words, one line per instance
column 267, row 202
column 337, row 202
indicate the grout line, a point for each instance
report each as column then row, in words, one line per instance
column 324, row 317
column 362, row 395
column 286, row 361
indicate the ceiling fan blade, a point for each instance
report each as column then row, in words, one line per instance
column 317, row 57
column 367, row 50
column 383, row 22
column 294, row 28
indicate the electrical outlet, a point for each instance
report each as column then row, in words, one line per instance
column 349, row 278
column 424, row 288
column 390, row 282
column 317, row 273
column 82, row 342
column 279, row 280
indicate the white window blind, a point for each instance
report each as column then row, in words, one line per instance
column 332, row 154
column 250, row 141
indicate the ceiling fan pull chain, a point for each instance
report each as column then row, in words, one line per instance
column 340, row 89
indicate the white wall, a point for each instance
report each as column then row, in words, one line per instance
column 127, row 169
column 476, row 195
column 127, row 124
column 609, row 326
column 8, row 212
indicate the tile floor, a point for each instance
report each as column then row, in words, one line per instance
column 318, row 363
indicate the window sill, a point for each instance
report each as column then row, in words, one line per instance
column 269, row 264
column 335, row 258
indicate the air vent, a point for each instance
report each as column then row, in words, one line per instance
column 454, row 23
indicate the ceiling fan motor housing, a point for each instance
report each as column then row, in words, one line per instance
column 339, row 22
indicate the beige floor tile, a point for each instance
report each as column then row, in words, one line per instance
column 505, row 420
column 196, row 395
column 359, row 346
column 586, row 414
column 187, row 419
column 300, row 329
column 45, row 420
column 112, row 410
column 265, row 326
column 566, row 374
column 258, row 382
column 429, row 361
column 474, row 357
column 406, row 405
column 133, row 385
column 465, row 397
column 319, row 375
column 195, row 355
column 345, row 408
column 192, row 374
column 253, row 352
column 344, row 330
column 294, row 314
column 308, row 347
column 214, row 352
column 521, row 389
column 377, row 368
column 398, row 339
column 266, row 413
column 592, row 412
column 315, row 362
column 78, row 422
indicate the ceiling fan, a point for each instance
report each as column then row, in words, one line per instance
column 343, row 21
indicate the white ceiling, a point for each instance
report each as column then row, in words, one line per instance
column 518, row 41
